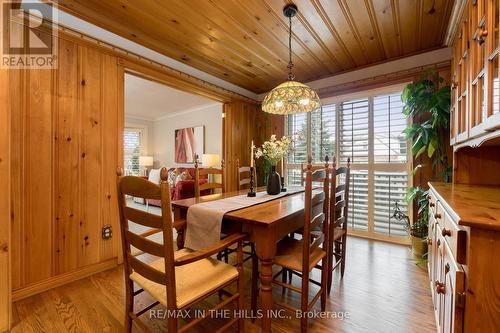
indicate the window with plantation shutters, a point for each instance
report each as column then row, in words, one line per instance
column 132, row 138
column 369, row 131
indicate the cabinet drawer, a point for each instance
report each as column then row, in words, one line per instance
column 455, row 237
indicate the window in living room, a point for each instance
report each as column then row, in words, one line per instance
column 132, row 148
column 368, row 130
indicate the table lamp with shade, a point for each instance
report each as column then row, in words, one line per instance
column 210, row 161
column 145, row 162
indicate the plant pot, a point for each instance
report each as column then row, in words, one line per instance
column 273, row 182
column 418, row 246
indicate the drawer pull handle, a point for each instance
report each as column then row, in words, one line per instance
column 432, row 204
column 440, row 289
column 437, row 216
column 439, row 243
column 429, row 241
column 446, row 232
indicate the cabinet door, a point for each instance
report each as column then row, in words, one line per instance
column 439, row 276
column 432, row 256
column 453, row 296
column 478, row 47
column 462, row 53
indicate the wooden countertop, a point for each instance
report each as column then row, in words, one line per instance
column 474, row 206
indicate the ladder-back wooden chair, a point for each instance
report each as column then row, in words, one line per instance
column 339, row 209
column 314, row 167
column 303, row 255
column 178, row 279
column 210, row 184
column 243, row 176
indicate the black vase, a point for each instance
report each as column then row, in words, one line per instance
column 273, row 182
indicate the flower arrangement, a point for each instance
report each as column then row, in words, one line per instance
column 274, row 150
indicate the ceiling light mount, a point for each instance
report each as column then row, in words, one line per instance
column 290, row 10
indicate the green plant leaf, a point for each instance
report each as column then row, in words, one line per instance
column 415, row 169
column 432, row 147
column 421, row 151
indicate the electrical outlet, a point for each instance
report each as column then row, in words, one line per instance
column 107, row 232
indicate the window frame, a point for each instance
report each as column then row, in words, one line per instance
column 371, row 167
column 142, row 144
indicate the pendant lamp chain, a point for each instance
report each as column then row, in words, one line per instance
column 290, row 63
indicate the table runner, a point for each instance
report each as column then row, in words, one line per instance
column 204, row 220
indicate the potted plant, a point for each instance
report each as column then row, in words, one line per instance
column 273, row 151
column 418, row 230
column 427, row 104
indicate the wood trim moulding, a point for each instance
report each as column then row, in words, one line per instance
column 59, row 280
column 485, row 139
column 145, row 71
column 379, row 81
column 454, row 23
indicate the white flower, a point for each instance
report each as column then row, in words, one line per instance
column 274, row 150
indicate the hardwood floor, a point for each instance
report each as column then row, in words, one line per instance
column 383, row 290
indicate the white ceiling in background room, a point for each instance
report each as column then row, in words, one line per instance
column 150, row 100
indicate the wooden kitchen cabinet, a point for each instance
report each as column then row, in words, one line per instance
column 464, row 251
column 475, row 113
column 464, row 217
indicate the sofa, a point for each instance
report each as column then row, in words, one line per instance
column 182, row 189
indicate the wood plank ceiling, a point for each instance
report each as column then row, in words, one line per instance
column 245, row 41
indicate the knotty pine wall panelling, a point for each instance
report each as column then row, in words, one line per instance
column 244, row 122
column 5, row 202
column 66, row 148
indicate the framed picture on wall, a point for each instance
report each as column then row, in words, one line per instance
column 189, row 142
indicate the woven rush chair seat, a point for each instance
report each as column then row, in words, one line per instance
column 190, row 284
column 289, row 254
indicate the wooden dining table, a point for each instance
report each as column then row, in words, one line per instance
column 265, row 223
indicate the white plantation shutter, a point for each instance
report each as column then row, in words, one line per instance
column 353, row 122
column 354, row 145
column 389, row 143
column 297, row 127
column 389, row 187
column 390, row 168
column 132, row 138
column 358, row 200
column 369, row 132
column 323, row 133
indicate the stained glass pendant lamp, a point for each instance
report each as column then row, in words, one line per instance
column 291, row 96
